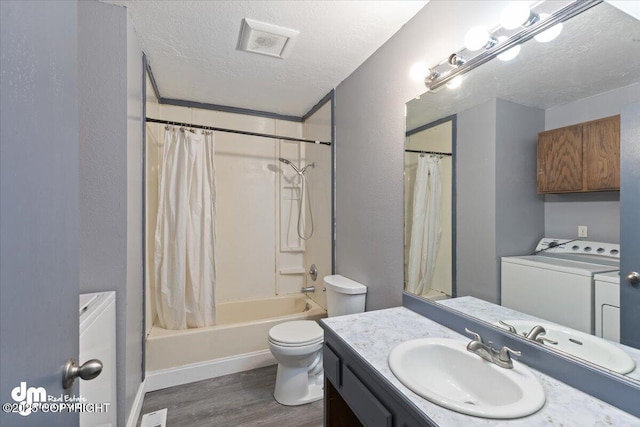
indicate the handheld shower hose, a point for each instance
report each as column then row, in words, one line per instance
column 301, row 172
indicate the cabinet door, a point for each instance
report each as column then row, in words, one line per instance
column 560, row 160
column 601, row 147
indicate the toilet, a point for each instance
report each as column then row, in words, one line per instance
column 297, row 345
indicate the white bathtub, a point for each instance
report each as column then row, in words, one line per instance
column 239, row 337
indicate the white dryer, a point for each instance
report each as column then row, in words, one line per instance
column 556, row 282
column 98, row 341
column 607, row 303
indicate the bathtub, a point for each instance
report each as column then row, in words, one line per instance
column 238, row 342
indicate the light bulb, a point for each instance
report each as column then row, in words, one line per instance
column 508, row 55
column 476, row 38
column 551, row 33
column 514, row 15
column 419, row 71
column 455, row 82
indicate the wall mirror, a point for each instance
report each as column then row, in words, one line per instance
column 470, row 155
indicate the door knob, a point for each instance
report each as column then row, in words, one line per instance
column 88, row 371
column 633, row 278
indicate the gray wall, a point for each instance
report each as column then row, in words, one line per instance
column 475, row 202
column 498, row 210
column 519, row 209
column 370, row 107
column 599, row 211
column 38, row 201
column 110, row 99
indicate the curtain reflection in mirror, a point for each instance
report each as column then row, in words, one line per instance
column 426, row 231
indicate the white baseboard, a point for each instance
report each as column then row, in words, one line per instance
column 157, row 380
column 132, row 420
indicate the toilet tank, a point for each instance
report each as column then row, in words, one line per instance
column 344, row 296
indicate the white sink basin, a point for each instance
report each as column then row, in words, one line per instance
column 445, row 373
column 587, row 347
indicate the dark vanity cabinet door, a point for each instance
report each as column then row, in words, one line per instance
column 357, row 395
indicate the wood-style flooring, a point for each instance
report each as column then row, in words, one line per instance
column 236, row 400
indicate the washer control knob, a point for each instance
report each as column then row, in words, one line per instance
column 633, row 278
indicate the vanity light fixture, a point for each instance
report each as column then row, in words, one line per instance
column 530, row 24
column 418, row 71
column 478, row 38
column 508, row 55
column 517, row 14
column 551, row 33
column 456, row 60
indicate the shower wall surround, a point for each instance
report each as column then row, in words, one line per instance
column 318, row 127
column 259, row 253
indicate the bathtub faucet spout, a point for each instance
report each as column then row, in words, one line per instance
column 308, row 289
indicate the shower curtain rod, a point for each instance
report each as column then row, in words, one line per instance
column 241, row 132
column 429, row 152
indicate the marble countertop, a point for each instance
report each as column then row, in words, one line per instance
column 374, row 334
column 491, row 313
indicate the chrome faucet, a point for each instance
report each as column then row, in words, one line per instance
column 308, row 289
column 500, row 357
column 535, row 334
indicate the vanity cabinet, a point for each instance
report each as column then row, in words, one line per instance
column 580, row 158
column 356, row 395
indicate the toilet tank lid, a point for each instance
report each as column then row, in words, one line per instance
column 344, row 285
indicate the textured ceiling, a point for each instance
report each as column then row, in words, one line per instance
column 597, row 51
column 191, row 46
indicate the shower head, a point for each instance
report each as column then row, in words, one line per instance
column 285, row 161
column 298, row 171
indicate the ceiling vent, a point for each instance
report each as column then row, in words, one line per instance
column 266, row 39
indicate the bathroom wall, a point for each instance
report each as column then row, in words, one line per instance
column 370, row 116
column 318, row 248
column 110, row 104
column 475, row 202
column 599, row 211
column 498, row 211
column 258, row 251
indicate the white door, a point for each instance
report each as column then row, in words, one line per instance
column 39, row 171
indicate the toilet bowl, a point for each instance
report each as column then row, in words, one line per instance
column 297, row 345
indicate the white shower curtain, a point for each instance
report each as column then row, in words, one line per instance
column 425, row 229
column 185, row 270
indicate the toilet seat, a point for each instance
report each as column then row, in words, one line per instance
column 296, row 333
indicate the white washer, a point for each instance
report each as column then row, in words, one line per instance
column 608, row 305
column 556, row 283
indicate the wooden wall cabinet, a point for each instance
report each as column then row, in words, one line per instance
column 580, row 158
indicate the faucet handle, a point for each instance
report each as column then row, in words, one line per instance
column 511, row 328
column 506, row 353
column 475, row 334
column 543, row 340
